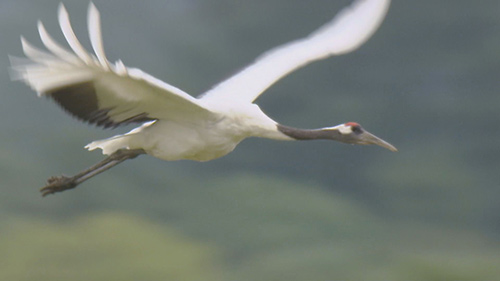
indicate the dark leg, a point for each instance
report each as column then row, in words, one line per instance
column 58, row 184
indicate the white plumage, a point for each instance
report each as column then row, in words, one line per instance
column 175, row 124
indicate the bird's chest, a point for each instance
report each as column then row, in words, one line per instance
column 199, row 141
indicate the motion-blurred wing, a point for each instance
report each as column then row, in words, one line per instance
column 347, row 31
column 94, row 90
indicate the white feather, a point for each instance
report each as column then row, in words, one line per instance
column 70, row 36
column 94, row 25
column 56, row 49
column 347, row 31
column 34, row 53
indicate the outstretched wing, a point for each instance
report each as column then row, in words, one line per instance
column 91, row 88
column 347, row 31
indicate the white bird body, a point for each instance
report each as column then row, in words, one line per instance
column 196, row 139
column 176, row 125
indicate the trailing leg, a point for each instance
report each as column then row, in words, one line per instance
column 61, row 183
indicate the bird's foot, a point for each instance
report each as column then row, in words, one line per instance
column 58, row 184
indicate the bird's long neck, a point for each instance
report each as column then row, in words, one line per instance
column 305, row 134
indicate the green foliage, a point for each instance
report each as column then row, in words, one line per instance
column 241, row 227
column 108, row 246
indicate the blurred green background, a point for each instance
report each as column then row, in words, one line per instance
column 428, row 82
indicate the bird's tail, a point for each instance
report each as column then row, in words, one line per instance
column 110, row 145
column 130, row 140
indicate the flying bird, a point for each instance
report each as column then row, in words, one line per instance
column 174, row 125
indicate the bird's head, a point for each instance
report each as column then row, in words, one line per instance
column 350, row 132
column 353, row 133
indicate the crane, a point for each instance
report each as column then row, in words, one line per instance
column 174, row 125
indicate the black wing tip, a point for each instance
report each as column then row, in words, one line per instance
column 80, row 100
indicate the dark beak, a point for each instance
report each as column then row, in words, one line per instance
column 368, row 138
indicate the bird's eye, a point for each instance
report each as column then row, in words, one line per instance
column 356, row 129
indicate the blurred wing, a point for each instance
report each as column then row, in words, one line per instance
column 347, row 31
column 92, row 89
